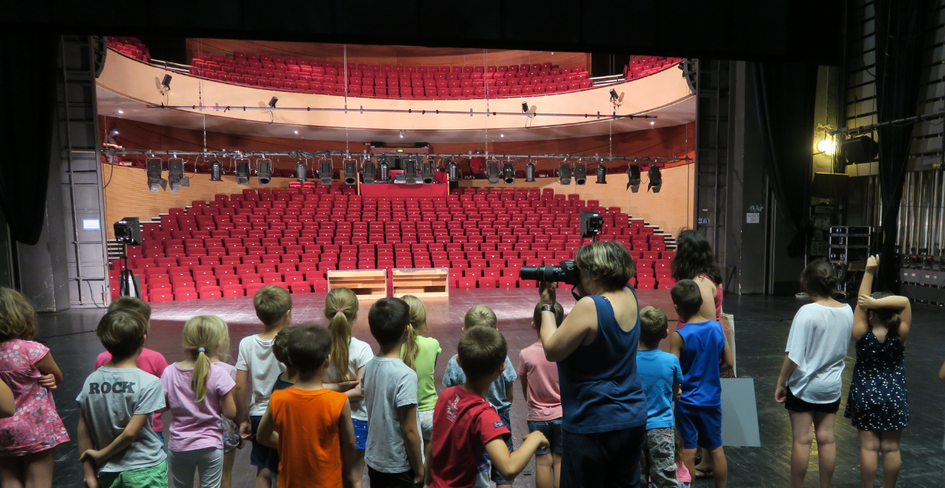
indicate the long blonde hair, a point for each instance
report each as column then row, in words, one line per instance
column 418, row 325
column 222, row 350
column 341, row 308
column 202, row 334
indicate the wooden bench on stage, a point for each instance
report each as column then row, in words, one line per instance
column 365, row 283
column 421, row 282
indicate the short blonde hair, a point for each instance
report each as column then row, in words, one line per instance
column 652, row 325
column 17, row 317
column 609, row 260
column 271, row 304
column 132, row 304
column 480, row 315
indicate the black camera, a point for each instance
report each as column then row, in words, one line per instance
column 128, row 231
column 567, row 273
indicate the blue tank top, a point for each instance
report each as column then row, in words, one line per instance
column 600, row 388
column 699, row 360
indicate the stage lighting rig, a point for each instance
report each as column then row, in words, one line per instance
column 530, row 172
column 216, row 170
column 427, row 172
column 242, row 172
column 175, row 175
column 385, row 170
column 580, row 173
column 564, row 173
column 301, row 171
column 656, row 179
column 263, row 171
column 368, row 172
column 410, row 171
column 350, row 169
column 508, row 173
column 492, row 172
column 155, row 182
column 452, row 170
column 601, row 174
column 325, row 171
column 633, row 178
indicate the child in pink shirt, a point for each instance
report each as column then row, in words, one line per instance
column 540, row 384
column 149, row 361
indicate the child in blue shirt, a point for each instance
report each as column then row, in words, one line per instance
column 500, row 391
column 703, row 354
column 661, row 376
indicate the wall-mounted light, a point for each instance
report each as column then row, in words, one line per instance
column 272, row 102
column 827, row 146
column 166, row 84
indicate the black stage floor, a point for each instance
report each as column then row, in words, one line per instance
column 762, row 326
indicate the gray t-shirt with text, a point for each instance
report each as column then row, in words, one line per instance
column 388, row 385
column 109, row 399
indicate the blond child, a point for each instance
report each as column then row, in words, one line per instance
column 420, row 354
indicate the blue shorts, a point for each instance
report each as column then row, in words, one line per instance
column 360, row 433
column 262, row 456
column 496, row 477
column 699, row 426
column 552, row 430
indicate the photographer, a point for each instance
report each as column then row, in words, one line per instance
column 604, row 408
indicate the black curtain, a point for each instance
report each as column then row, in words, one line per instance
column 899, row 31
column 785, row 95
column 27, row 97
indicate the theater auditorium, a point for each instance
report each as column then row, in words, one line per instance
column 764, row 181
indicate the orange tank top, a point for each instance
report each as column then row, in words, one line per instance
column 309, row 439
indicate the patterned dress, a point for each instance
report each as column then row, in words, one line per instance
column 35, row 427
column 878, row 399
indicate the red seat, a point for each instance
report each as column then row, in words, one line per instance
column 300, row 287
column 252, row 288
column 210, row 292
column 488, row 282
column 508, row 282
column 234, row 290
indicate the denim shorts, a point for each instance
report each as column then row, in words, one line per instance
column 360, row 433
column 699, row 426
column 552, row 430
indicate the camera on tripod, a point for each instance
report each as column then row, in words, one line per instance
column 128, row 231
column 591, row 225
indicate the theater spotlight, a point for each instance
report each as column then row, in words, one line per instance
column 385, row 171
column 272, row 102
column 656, row 179
column 263, row 171
column 613, row 95
column 452, row 170
column 633, row 178
column 410, row 172
column 426, row 172
column 564, row 174
column 216, row 170
column 166, row 84
column 530, row 172
column 601, row 175
column 508, row 173
column 368, row 172
column 301, row 171
column 524, row 107
column 350, row 169
column 155, row 182
column 492, row 172
column 242, row 172
column 580, row 173
column 325, row 172
column 175, row 175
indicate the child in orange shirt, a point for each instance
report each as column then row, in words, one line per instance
column 306, row 407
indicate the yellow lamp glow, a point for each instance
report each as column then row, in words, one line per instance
column 827, row 146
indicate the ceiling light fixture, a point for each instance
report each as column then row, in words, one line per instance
column 401, row 134
column 530, row 172
column 155, row 182
column 656, row 179
column 242, row 172
column 580, row 173
column 216, row 170
column 564, row 173
column 633, row 177
column 601, row 174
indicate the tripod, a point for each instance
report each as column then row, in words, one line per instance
column 128, row 287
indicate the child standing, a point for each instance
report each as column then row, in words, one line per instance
column 467, row 426
column 703, row 353
column 280, row 349
column 349, row 356
column 420, row 354
column 543, row 396
column 32, row 430
column 661, row 376
column 149, row 361
column 878, row 405
column 394, row 453
column 306, row 408
column 198, row 394
column 501, row 392
column 231, row 431
column 257, row 370
column 118, row 445
column 812, row 373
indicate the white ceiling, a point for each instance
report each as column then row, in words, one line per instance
column 109, row 103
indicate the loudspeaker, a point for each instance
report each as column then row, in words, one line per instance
column 859, row 150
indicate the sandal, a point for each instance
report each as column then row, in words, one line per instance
column 703, row 474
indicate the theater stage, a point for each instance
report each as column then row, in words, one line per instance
column 762, row 325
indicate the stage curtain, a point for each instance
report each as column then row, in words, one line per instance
column 899, row 34
column 27, row 97
column 784, row 95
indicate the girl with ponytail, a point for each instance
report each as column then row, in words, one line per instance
column 199, row 394
column 420, row 354
column 346, row 366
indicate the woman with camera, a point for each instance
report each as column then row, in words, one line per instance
column 604, row 408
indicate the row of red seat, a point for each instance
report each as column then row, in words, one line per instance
column 641, row 66
column 131, row 47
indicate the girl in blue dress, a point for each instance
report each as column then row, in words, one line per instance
column 878, row 405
